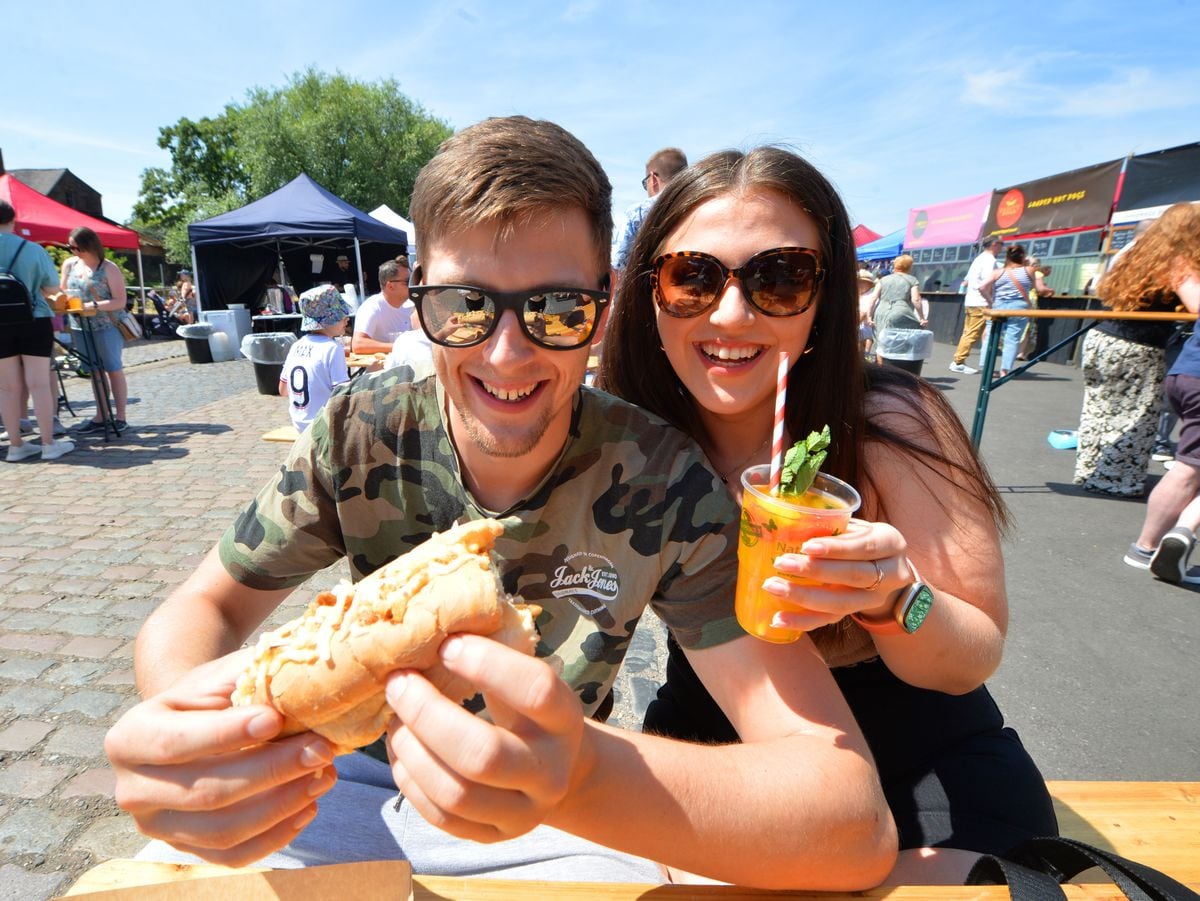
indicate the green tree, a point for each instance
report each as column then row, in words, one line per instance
column 364, row 142
column 203, row 166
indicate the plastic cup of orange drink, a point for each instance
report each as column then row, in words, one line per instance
column 74, row 304
column 773, row 525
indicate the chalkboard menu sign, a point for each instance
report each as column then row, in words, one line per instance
column 1064, row 246
column 938, row 253
column 1119, row 238
column 1040, row 248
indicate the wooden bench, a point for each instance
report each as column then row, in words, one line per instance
column 1155, row 823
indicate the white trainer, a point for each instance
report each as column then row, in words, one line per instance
column 963, row 368
column 57, row 449
column 24, row 452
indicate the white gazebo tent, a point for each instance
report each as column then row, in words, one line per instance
column 388, row 216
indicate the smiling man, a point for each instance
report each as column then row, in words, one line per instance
column 605, row 510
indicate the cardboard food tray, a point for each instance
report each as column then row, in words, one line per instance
column 383, row 879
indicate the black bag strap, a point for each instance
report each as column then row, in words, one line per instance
column 13, row 261
column 1024, row 884
column 1065, row 858
column 1020, row 288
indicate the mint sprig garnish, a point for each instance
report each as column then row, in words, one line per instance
column 801, row 463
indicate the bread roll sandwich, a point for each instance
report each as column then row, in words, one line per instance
column 325, row 671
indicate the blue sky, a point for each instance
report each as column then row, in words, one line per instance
column 899, row 107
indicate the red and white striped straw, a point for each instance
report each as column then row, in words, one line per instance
column 777, row 436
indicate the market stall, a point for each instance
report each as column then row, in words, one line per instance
column 296, row 235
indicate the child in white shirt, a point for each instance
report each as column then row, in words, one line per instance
column 315, row 364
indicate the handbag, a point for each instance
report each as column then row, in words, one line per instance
column 1035, row 869
column 127, row 325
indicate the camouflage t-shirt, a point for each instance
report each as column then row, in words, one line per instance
column 629, row 515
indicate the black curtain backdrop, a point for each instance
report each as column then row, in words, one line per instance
column 299, row 266
column 1160, row 178
column 232, row 274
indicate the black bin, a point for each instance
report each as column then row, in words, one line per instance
column 267, row 375
column 195, row 337
column 198, row 350
column 268, row 352
column 913, row 366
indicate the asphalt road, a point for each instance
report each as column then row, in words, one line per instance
column 1100, row 676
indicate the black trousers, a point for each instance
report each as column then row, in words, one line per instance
column 954, row 775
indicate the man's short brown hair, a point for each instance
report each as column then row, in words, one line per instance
column 667, row 163
column 507, row 171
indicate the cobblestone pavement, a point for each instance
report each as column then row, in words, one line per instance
column 90, row 544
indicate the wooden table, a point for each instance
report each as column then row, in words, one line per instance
column 1155, row 823
column 987, row 384
column 356, row 363
column 129, row 874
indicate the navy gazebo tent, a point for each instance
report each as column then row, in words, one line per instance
column 301, row 228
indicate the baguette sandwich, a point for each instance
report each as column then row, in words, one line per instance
column 326, row 670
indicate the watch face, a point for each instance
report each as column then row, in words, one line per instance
column 917, row 609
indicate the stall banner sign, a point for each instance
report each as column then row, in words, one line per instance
column 951, row 222
column 1154, row 181
column 1081, row 198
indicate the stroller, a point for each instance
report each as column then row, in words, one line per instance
column 161, row 323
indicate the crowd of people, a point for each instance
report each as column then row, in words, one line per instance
column 910, row 771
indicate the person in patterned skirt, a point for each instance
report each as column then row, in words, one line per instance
column 1124, row 365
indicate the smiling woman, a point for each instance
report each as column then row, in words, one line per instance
column 745, row 256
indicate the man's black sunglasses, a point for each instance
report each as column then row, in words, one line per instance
column 554, row 318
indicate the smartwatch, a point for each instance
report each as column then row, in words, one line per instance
column 908, row 613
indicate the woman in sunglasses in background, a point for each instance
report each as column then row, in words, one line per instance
column 746, row 255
